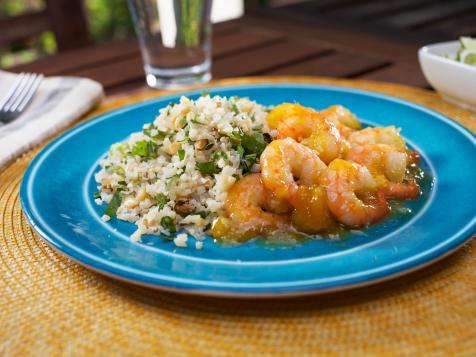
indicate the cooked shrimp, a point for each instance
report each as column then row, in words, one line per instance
column 402, row 190
column 309, row 127
column 389, row 135
column 388, row 165
column 353, row 196
column 325, row 140
column 285, row 159
column 342, row 118
column 292, row 121
column 252, row 210
column 380, row 159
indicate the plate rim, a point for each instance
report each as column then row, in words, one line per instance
column 415, row 262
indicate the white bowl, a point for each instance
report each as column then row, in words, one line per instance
column 455, row 81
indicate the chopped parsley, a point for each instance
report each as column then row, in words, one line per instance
column 152, row 132
column 168, row 223
column 97, row 195
column 161, row 200
column 253, row 143
column 208, row 168
column 145, row 149
column 203, row 214
column 183, row 122
column 119, row 170
column 181, row 154
column 219, row 154
column 249, row 147
column 235, row 109
column 114, row 204
column 194, row 120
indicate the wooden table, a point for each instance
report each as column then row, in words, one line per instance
column 257, row 44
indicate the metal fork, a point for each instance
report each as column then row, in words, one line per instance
column 19, row 95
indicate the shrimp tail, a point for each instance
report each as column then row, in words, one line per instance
column 403, row 191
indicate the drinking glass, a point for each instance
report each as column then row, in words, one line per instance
column 175, row 40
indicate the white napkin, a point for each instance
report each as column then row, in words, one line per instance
column 58, row 102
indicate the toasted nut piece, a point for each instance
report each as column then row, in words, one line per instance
column 209, row 184
column 184, row 207
column 201, row 144
column 131, row 202
column 173, row 148
column 150, row 223
column 142, row 194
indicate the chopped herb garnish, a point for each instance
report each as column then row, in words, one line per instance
column 114, row 204
column 205, row 93
column 181, row 154
column 183, row 123
column 203, row 214
column 146, row 149
column 194, row 120
column 253, row 143
column 219, row 154
column 241, row 150
column 208, row 168
column 121, row 186
column 174, row 177
column 119, row 170
column 154, row 133
column 97, row 195
column 250, row 148
column 250, row 157
column 235, row 109
column 161, row 200
column 168, row 223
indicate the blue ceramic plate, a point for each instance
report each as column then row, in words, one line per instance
column 57, row 198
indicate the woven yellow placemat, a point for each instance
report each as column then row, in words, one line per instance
column 51, row 306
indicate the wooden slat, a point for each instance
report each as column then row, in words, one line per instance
column 335, row 64
column 426, row 15
column 228, row 38
column 68, row 21
column 464, row 25
column 246, row 63
column 66, row 62
column 375, row 8
column 240, row 40
column 22, row 27
column 253, row 46
column 115, row 73
column 398, row 73
column 340, row 38
column 265, row 59
column 321, row 6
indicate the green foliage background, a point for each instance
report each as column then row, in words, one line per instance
column 108, row 19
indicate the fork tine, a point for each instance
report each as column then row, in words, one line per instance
column 13, row 104
column 12, row 90
column 33, row 88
